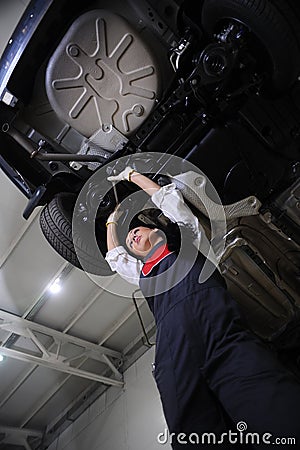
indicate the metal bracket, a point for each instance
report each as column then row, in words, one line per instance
column 179, row 50
column 193, row 187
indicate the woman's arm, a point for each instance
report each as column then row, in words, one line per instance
column 148, row 186
column 117, row 257
column 112, row 236
column 166, row 198
column 111, row 226
column 137, row 178
column 169, row 199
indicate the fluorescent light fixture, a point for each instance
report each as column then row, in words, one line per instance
column 1, row 358
column 55, row 287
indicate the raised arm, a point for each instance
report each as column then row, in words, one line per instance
column 148, row 186
column 140, row 180
column 117, row 257
column 137, row 178
column 112, row 235
column 166, row 198
column 169, row 199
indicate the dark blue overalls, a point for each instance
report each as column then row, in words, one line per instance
column 211, row 372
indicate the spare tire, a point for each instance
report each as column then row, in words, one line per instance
column 56, row 225
column 269, row 25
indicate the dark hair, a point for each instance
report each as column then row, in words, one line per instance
column 174, row 234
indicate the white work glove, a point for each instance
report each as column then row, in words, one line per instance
column 123, row 176
column 114, row 216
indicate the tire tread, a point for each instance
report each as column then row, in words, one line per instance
column 56, row 226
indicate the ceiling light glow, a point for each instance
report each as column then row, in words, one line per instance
column 1, row 358
column 55, row 286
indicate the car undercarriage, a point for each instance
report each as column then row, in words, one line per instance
column 215, row 84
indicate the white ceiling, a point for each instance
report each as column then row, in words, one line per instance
column 33, row 396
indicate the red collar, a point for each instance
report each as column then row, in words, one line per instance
column 158, row 255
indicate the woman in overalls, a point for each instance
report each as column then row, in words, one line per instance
column 212, row 373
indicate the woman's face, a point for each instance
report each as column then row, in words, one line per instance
column 140, row 240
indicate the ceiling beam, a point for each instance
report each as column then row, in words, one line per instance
column 62, row 273
column 50, row 393
column 60, row 366
column 54, row 360
column 26, row 374
column 22, row 327
column 24, row 432
column 110, row 332
column 17, row 436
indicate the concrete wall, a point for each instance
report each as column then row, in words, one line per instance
column 128, row 419
column 10, row 13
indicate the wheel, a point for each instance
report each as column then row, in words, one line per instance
column 270, row 25
column 56, row 225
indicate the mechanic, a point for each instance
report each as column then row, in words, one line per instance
column 211, row 372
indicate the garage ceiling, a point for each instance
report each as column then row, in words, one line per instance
column 59, row 347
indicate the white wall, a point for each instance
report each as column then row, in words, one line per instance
column 10, row 13
column 128, row 419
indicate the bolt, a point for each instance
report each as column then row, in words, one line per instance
column 5, row 127
column 73, row 51
column 199, row 181
column 295, row 168
column 267, row 217
column 53, row 166
column 194, row 81
column 204, row 119
column 106, row 127
column 138, row 110
column 233, row 271
column 252, row 202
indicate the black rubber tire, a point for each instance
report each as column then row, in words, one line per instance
column 56, row 226
column 273, row 27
